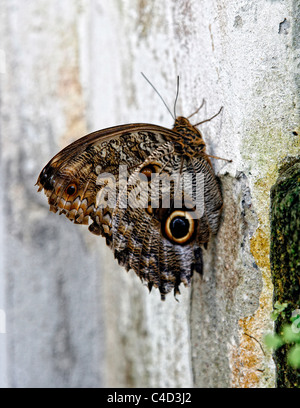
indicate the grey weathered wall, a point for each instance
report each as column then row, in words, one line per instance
column 73, row 317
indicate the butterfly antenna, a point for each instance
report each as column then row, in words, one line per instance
column 177, row 93
column 158, row 95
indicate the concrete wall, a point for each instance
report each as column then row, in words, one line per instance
column 73, row 317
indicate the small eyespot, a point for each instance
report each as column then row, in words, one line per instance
column 150, row 169
column 147, row 171
column 179, row 227
column 71, row 189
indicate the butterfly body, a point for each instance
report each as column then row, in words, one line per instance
column 145, row 227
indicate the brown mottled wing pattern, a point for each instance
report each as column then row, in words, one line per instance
column 138, row 239
column 160, row 243
column 81, row 162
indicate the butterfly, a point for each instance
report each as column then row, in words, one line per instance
column 126, row 183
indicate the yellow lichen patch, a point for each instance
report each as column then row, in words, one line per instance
column 249, row 360
column 260, row 248
column 244, row 363
column 252, row 364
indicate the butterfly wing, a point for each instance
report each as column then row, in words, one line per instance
column 159, row 241
column 160, row 223
column 70, row 178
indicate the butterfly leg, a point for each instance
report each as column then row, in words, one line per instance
column 209, row 119
column 219, row 158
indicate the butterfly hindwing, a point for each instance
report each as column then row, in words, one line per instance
column 140, row 238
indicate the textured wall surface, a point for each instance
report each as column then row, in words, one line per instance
column 73, row 317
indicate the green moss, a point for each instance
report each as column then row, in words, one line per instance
column 285, row 258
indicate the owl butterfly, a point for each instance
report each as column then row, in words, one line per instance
column 154, row 228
